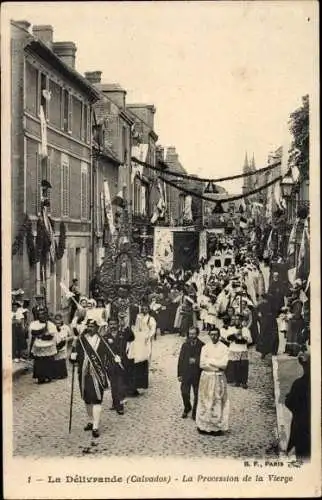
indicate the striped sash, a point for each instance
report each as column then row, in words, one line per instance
column 92, row 358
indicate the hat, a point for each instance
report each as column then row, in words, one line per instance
column 91, row 321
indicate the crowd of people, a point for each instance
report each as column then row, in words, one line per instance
column 240, row 302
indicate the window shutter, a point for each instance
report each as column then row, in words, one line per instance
column 88, row 124
column 65, row 185
column 38, row 181
column 84, row 191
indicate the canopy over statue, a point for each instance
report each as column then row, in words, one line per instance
column 123, row 268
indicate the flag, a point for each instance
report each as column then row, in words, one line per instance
column 50, row 233
column 269, row 245
column 108, row 208
column 187, row 211
column 118, row 200
column 295, row 173
column 160, row 208
column 280, row 201
column 66, row 291
column 242, row 222
column 43, row 132
column 242, row 206
column 303, row 264
column 291, row 251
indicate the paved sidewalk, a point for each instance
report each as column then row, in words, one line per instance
column 285, row 370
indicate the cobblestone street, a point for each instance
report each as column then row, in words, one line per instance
column 152, row 424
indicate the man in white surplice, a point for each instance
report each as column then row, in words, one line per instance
column 140, row 349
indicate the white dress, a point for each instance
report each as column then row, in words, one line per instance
column 213, row 403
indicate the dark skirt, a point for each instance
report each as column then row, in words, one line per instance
column 89, row 396
column 44, row 368
column 229, row 372
column 60, row 368
column 19, row 342
column 141, row 375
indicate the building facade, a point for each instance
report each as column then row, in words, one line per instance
column 51, row 134
column 145, row 189
column 112, row 126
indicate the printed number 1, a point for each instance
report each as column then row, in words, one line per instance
column 29, row 479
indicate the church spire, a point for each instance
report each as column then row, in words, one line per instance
column 246, row 164
column 252, row 164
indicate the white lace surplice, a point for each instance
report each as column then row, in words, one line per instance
column 213, row 404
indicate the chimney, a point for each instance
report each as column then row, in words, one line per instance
column 44, row 32
column 93, row 76
column 172, row 155
column 23, row 24
column 66, row 51
column 159, row 153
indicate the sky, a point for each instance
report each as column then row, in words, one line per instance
column 223, row 76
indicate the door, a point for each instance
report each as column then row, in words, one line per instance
column 186, row 250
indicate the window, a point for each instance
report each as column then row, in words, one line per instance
column 137, row 195
column 88, row 124
column 84, row 191
column 84, row 123
column 44, row 84
column 31, row 88
column 64, row 185
column 144, row 197
column 124, row 144
column 67, row 125
column 55, row 104
column 76, row 117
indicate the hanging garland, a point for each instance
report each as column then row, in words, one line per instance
column 201, row 179
column 25, row 231
column 62, row 241
column 218, row 200
column 18, row 242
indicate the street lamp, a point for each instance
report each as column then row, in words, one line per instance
column 287, row 186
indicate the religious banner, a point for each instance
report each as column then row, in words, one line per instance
column 203, row 245
column 108, row 208
column 163, row 248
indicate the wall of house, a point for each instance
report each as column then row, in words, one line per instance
column 68, row 169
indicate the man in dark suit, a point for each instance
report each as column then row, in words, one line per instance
column 117, row 337
column 189, row 370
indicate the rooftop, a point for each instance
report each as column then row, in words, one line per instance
column 110, row 87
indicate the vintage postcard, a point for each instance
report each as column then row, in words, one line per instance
column 160, row 249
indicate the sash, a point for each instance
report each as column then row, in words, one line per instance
column 95, row 362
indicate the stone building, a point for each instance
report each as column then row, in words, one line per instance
column 51, row 138
column 112, row 159
column 145, row 192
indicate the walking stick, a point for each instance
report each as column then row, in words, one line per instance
column 71, row 400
